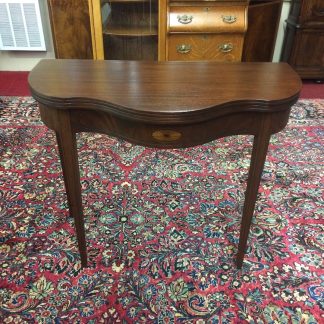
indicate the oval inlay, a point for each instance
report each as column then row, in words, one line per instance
column 166, row 135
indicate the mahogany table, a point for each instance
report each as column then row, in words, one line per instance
column 163, row 105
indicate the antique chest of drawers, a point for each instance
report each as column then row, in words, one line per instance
column 206, row 30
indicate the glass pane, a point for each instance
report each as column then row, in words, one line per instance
column 130, row 29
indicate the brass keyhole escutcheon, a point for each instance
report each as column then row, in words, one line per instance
column 166, row 135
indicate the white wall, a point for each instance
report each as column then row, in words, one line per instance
column 281, row 30
column 26, row 60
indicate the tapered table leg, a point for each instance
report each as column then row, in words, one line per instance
column 66, row 141
column 259, row 153
column 66, row 182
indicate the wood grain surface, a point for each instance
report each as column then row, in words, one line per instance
column 260, row 38
column 207, row 47
column 160, row 92
column 71, row 32
column 207, row 19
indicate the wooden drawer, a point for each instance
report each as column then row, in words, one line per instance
column 193, row 47
column 312, row 11
column 208, row 1
column 207, row 19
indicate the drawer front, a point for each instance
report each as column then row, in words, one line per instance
column 312, row 10
column 221, row 48
column 207, row 19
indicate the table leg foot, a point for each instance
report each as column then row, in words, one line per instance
column 259, row 153
column 239, row 261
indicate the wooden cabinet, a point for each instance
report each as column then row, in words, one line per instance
column 206, row 30
column 304, row 39
column 168, row 30
column 218, row 30
column 152, row 29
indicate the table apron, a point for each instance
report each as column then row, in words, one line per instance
column 166, row 136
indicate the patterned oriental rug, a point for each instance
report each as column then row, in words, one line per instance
column 162, row 228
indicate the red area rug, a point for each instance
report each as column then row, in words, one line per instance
column 312, row 90
column 162, row 228
column 14, row 83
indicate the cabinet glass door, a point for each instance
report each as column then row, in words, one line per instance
column 130, row 29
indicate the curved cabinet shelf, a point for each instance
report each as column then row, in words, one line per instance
column 133, row 31
column 130, row 29
column 123, row 1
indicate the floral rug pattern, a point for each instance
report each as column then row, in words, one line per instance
column 162, row 228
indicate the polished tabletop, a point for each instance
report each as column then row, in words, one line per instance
column 164, row 91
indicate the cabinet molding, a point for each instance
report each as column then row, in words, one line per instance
column 96, row 29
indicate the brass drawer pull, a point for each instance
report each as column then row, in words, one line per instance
column 166, row 135
column 184, row 19
column 183, row 48
column 229, row 19
column 225, row 48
